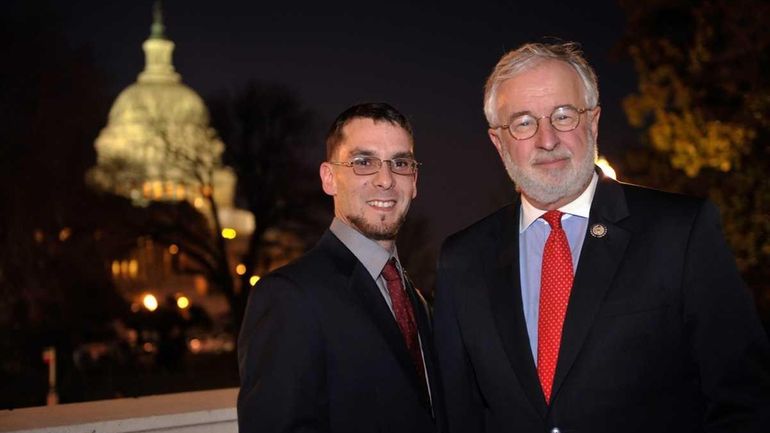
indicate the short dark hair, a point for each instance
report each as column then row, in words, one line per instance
column 377, row 111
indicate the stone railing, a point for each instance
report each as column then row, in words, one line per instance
column 189, row 412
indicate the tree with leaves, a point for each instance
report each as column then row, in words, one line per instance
column 703, row 101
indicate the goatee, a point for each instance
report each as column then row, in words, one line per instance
column 377, row 232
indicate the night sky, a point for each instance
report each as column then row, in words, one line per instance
column 430, row 61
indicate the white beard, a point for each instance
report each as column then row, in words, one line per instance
column 550, row 186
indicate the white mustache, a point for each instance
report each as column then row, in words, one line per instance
column 545, row 157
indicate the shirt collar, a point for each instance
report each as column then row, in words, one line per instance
column 368, row 252
column 581, row 206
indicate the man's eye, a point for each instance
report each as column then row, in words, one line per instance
column 522, row 122
column 362, row 162
column 401, row 163
column 564, row 115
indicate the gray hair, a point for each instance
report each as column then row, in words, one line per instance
column 530, row 55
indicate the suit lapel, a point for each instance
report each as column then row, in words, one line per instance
column 371, row 298
column 505, row 300
column 599, row 260
column 365, row 290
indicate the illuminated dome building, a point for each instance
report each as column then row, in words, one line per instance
column 158, row 146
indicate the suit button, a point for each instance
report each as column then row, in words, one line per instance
column 555, row 430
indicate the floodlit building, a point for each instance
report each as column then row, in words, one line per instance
column 158, row 146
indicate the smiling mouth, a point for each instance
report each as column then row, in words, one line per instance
column 381, row 204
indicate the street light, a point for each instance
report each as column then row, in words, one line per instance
column 150, row 302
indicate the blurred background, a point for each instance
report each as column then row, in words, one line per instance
column 157, row 159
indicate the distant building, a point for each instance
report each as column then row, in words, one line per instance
column 158, row 146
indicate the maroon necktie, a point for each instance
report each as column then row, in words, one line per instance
column 555, row 285
column 402, row 309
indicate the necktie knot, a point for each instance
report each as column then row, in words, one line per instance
column 390, row 271
column 553, row 218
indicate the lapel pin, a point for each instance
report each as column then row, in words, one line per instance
column 598, row 230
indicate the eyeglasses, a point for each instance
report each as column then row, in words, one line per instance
column 563, row 119
column 366, row 165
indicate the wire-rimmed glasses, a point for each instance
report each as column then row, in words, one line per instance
column 564, row 119
column 366, row 165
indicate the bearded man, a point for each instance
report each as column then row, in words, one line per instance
column 590, row 305
column 339, row 341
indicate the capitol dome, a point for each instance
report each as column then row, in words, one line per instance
column 142, row 102
column 158, row 144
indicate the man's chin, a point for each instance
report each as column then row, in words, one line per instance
column 545, row 190
column 377, row 231
column 381, row 236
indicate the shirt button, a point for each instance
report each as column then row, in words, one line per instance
column 555, row 430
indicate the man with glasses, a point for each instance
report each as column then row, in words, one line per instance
column 339, row 341
column 589, row 305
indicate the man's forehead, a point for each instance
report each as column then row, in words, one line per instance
column 540, row 91
column 374, row 137
column 378, row 150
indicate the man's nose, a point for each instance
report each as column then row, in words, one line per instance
column 384, row 177
column 546, row 136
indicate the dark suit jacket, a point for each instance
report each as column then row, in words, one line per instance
column 660, row 334
column 319, row 351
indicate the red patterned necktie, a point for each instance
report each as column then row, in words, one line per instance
column 555, row 285
column 402, row 309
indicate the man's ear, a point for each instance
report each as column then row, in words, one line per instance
column 595, row 122
column 328, row 182
column 494, row 135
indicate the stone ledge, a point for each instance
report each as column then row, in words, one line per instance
column 189, row 412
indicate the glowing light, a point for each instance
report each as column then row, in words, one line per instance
column 201, row 285
column 65, row 234
column 115, row 268
column 182, row 302
column 253, row 280
column 240, row 269
column 195, row 345
column 133, row 268
column 147, row 189
column 157, row 189
column 606, row 167
column 150, row 302
column 173, row 249
column 229, row 233
column 198, row 203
